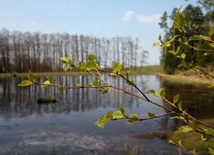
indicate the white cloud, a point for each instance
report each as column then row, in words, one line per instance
column 149, row 19
column 128, row 15
column 34, row 22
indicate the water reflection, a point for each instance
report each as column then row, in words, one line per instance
column 67, row 127
column 22, row 101
column 197, row 100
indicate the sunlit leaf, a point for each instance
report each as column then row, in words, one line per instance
column 192, row 124
column 133, row 116
column 104, row 119
column 46, row 83
column 178, row 117
column 180, row 105
column 49, row 78
column 212, row 45
column 79, row 85
column 156, row 44
column 128, row 74
column 185, row 129
column 91, row 57
column 31, row 76
column 117, row 67
column 90, row 65
column 117, row 115
column 25, row 83
column 66, row 60
column 66, row 68
column 95, row 83
column 205, row 137
column 162, row 92
column 183, row 55
column 176, row 98
column 211, row 151
column 150, row 92
column 151, row 115
column 122, row 110
column 179, row 20
column 61, row 88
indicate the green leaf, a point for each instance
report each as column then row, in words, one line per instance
column 66, row 68
column 95, row 83
column 104, row 119
column 185, row 129
column 128, row 74
column 31, row 77
column 179, row 20
column 66, row 60
column 49, row 78
column 25, row 83
column 159, row 38
column 61, row 88
column 117, row 67
column 156, row 44
column 46, row 83
column 180, row 105
column 118, row 115
column 150, row 92
column 78, row 85
column 151, row 115
column 133, row 116
column 91, row 57
column 79, row 64
column 205, row 137
column 176, row 98
column 183, row 55
column 162, row 92
column 172, row 52
column 178, row 117
column 159, row 94
column 212, row 45
column 90, row 65
column 105, row 90
column 122, row 110
column 192, row 124
column 211, row 151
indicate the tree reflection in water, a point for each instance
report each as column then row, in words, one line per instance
column 68, row 125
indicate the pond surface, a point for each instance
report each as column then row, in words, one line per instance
column 67, row 126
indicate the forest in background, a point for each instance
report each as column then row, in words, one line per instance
column 199, row 21
column 21, row 52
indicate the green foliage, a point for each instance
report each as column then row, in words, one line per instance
column 185, row 47
column 31, row 80
column 159, row 93
column 151, row 115
column 25, row 83
column 104, row 119
column 189, row 42
column 179, row 20
column 117, row 68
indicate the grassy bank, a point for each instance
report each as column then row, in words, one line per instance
column 138, row 70
column 192, row 140
column 180, row 79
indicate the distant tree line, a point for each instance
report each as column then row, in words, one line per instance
column 199, row 21
column 39, row 52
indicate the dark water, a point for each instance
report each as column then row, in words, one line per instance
column 67, row 127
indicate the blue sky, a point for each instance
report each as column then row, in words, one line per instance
column 101, row 18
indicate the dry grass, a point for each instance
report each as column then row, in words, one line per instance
column 186, row 79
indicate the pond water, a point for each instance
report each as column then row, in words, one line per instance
column 67, row 126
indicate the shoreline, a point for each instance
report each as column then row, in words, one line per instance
column 186, row 79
